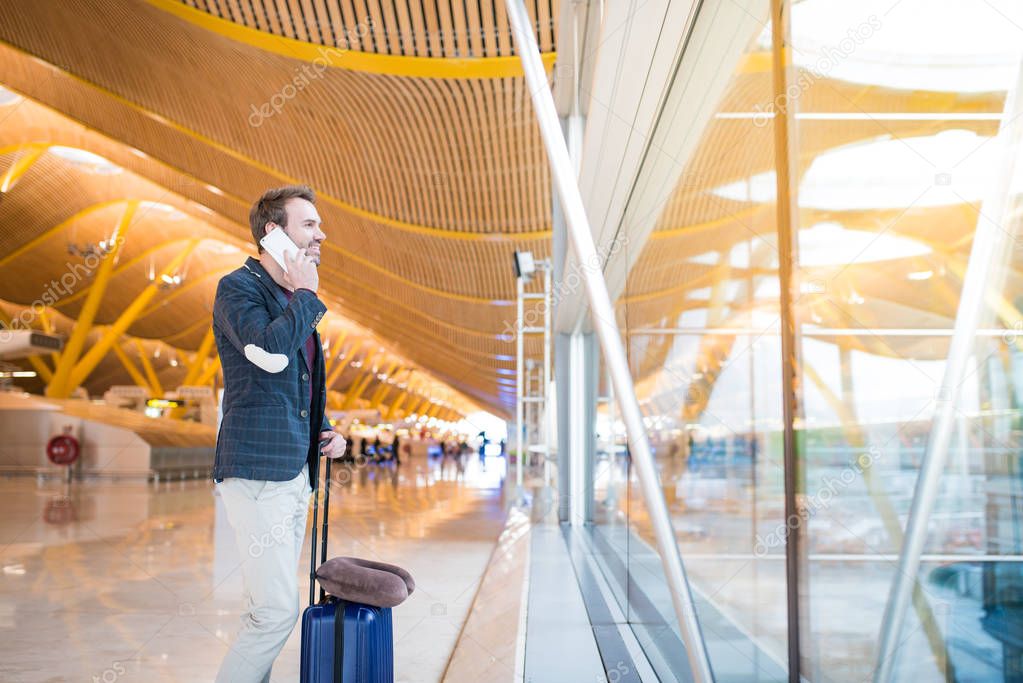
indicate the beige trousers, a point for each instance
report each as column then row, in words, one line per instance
column 269, row 519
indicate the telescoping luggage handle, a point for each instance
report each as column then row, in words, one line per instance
column 323, row 550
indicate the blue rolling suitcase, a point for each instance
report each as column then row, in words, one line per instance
column 343, row 642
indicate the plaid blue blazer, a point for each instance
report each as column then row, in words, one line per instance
column 269, row 429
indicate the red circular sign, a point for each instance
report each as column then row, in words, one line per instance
column 62, row 449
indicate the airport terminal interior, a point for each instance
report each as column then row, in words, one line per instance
column 671, row 340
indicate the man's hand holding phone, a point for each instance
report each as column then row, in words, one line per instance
column 298, row 268
column 301, row 271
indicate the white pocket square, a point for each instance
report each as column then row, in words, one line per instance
column 270, row 362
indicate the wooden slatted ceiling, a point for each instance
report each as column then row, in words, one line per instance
column 441, row 280
column 489, row 259
column 375, row 276
column 420, row 28
column 379, row 143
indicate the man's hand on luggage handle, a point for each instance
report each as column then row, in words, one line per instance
column 334, row 446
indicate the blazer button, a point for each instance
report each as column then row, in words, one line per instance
column 304, row 413
column 305, row 376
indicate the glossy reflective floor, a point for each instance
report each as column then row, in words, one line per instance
column 137, row 582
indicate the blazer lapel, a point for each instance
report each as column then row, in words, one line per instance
column 320, row 373
column 317, row 360
column 257, row 269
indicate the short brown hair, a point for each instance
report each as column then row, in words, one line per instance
column 270, row 208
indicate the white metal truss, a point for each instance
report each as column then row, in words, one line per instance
column 533, row 378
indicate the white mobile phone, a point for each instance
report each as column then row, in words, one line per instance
column 277, row 243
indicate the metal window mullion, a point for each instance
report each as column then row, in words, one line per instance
column 787, row 208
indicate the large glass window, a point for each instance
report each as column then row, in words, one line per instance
column 896, row 160
column 898, row 164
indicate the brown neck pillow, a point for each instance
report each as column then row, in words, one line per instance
column 371, row 583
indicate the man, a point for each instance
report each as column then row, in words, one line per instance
column 274, row 425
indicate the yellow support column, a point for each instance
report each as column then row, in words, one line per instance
column 136, row 376
column 41, row 368
column 392, row 412
column 361, row 382
column 154, row 381
column 200, row 358
column 417, row 406
column 32, row 152
column 335, row 373
column 96, row 353
column 357, row 389
column 334, row 346
column 60, row 386
column 48, row 327
column 209, row 373
column 381, row 391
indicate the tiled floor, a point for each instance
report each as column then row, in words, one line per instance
column 136, row 582
column 489, row 646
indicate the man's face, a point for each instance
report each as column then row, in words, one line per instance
column 303, row 226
